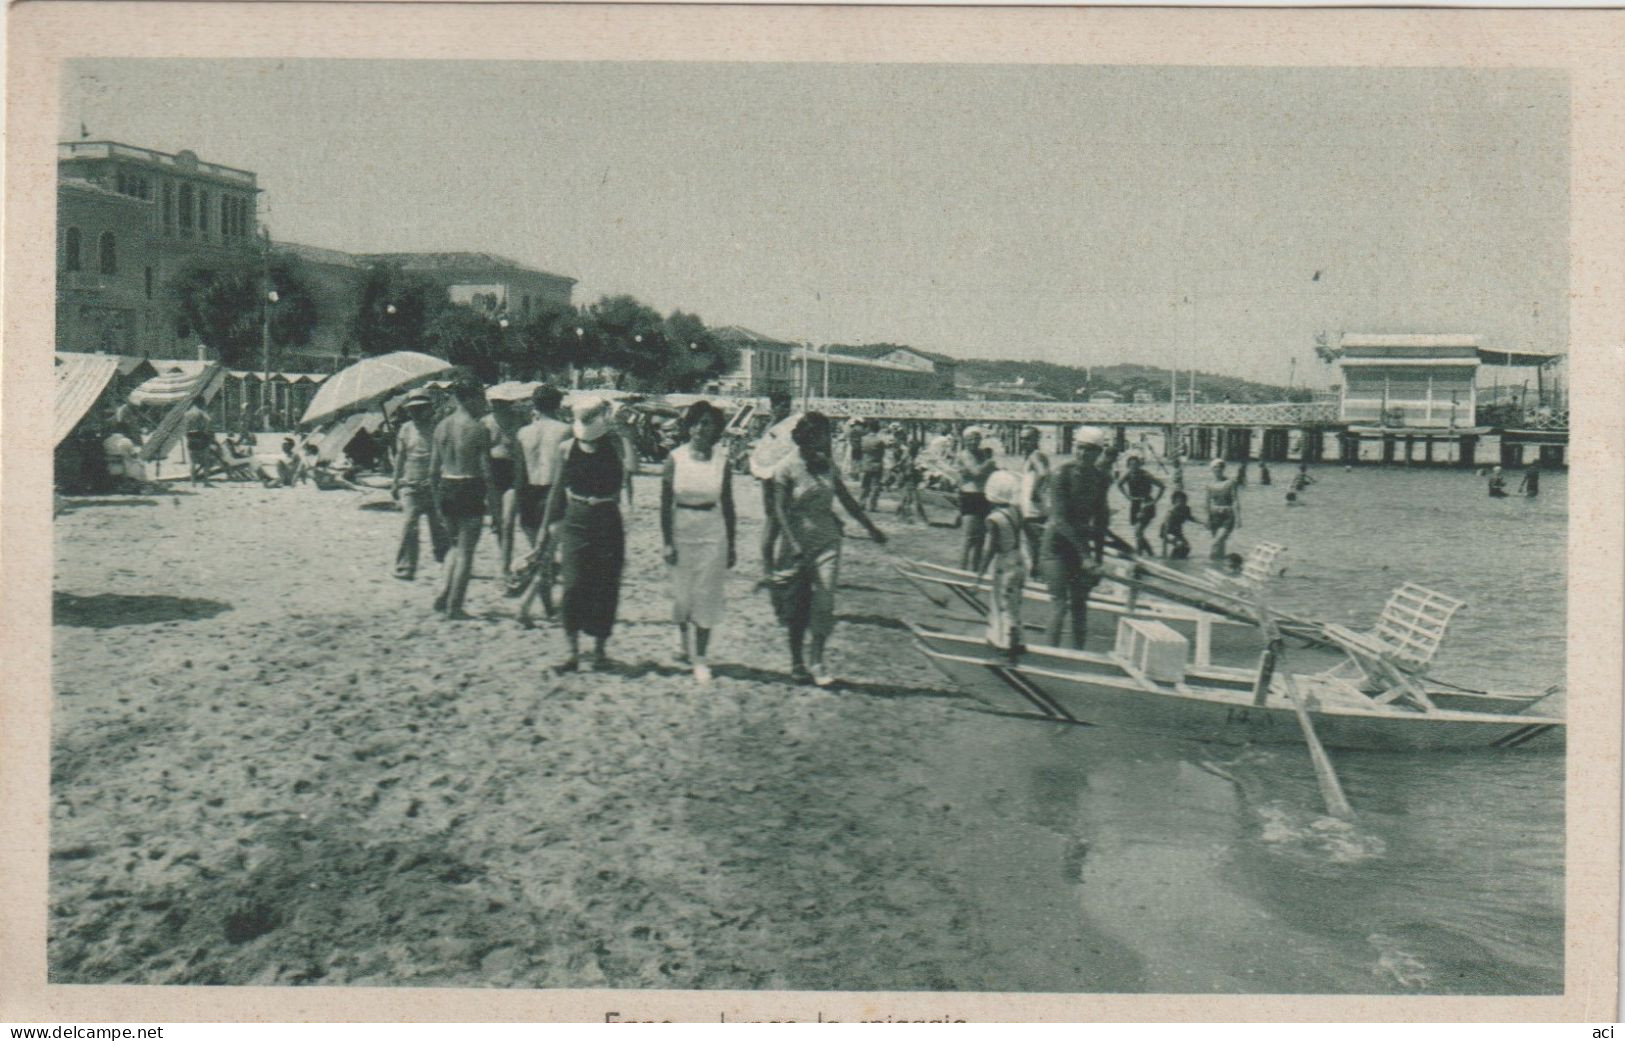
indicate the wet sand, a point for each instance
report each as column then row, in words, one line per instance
column 273, row 764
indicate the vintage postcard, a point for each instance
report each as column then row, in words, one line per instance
column 594, row 512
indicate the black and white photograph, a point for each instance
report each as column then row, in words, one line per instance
column 1059, row 528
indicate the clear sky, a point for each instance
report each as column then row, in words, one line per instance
column 1084, row 215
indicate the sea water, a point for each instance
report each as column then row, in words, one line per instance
column 1217, row 867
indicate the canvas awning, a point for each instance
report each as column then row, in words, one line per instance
column 1521, row 359
column 81, row 380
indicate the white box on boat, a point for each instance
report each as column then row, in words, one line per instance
column 1152, row 648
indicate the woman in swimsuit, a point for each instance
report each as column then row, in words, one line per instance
column 1223, row 509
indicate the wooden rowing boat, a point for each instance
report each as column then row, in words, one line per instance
column 1146, row 683
column 1223, row 628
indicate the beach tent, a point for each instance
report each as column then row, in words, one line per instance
column 331, row 441
column 177, row 381
column 81, row 381
column 204, row 386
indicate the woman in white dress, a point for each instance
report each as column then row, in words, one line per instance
column 697, row 524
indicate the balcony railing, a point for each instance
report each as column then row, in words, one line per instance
column 114, row 150
column 1515, row 416
column 1283, row 414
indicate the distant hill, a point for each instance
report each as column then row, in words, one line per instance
column 1074, row 383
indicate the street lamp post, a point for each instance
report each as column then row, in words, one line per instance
column 575, row 369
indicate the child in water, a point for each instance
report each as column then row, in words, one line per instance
column 1174, row 545
column 1002, row 550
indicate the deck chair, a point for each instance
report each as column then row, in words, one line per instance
column 1394, row 652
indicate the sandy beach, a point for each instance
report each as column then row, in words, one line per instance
column 273, row 764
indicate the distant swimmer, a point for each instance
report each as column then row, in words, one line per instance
column 1530, row 485
column 1292, row 499
column 1498, row 484
column 1264, row 474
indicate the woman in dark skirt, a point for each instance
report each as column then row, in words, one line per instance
column 584, row 510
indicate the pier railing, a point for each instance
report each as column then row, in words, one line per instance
column 1227, row 414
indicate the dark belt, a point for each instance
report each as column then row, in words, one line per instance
column 695, row 505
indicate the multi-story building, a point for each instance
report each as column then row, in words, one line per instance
column 129, row 220
column 835, row 371
column 765, row 364
column 484, row 281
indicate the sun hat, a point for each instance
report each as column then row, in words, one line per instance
column 1217, row 464
column 1094, row 436
column 1003, row 487
column 592, row 418
column 1030, row 431
column 973, row 432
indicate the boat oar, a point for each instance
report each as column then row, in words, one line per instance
column 1331, row 790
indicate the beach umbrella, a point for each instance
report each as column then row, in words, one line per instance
column 512, row 390
column 774, row 447
column 167, row 389
column 370, row 381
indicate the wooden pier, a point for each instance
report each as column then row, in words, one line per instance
column 1270, row 432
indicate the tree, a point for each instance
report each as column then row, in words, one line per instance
column 222, row 305
column 547, row 340
column 394, row 310
column 696, row 356
column 464, row 336
column 630, row 338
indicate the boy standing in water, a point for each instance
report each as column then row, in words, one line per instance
column 464, row 489
column 1174, row 545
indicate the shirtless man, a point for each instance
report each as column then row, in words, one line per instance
column 464, row 489
column 1223, row 508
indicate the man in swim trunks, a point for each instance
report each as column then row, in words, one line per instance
column 1074, row 538
column 1223, row 508
column 1034, row 499
column 1142, row 491
column 464, row 490
column 973, row 469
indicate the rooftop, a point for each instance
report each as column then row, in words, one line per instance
column 740, row 334
column 454, row 261
column 183, row 161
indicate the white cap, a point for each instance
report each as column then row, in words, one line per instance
column 1090, row 436
column 1003, row 487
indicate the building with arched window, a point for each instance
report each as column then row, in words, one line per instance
column 148, row 216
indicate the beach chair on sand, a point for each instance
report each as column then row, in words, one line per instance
column 223, row 462
column 1389, row 658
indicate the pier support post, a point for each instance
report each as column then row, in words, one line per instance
column 1464, row 453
